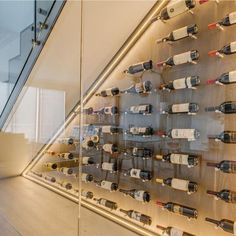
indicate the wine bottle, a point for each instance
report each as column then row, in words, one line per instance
column 68, row 141
column 225, row 137
column 86, row 177
column 110, row 92
column 106, row 185
column 65, row 156
column 189, row 134
column 141, row 131
column 112, row 110
column 179, row 209
column 139, row 88
column 108, row 129
column 171, row 231
column 65, row 170
column 225, row 195
column 107, row 166
column 144, row 153
column 184, row 32
column 226, row 50
column 51, row 166
column 225, row 107
column 106, row 203
column 225, row 166
column 139, row 67
column 189, row 160
column 66, row 185
column 182, row 108
column 188, row 82
column 50, row 178
column 228, row 20
column 87, row 194
column 179, row 184
column 224, row 79
column 90, row 142
column 176, row 8
column 87, row 161
column 110, row 148
column 141, row 109
column 139, row 195
column 135, row 215
column 186, row 57
column 88, row 111
column 145, row 175
column 227, row 225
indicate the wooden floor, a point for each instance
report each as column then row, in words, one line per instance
column 30, row 210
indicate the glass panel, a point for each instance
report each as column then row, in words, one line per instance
column 16, row 33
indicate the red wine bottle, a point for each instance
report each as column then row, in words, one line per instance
column 184, row 32
column 171, row 231
column 135, row 215
column 139, row 88
column 186, row 57
column 110, row 92
column 225, row 137
column 179, row 184
column 228, row 20
column 110, row 148
column 112, row 110
column 227, row 225
column 51, row 166
column 66, row 185
column 87, row 161
column 106, row 203
column 141, row 131
column 188, row 82
column 144, row 153
column 86, row 177
column 87, row 194
column 139, row 195
column 144, row 175
column 140, row 109
column 189, row 134
column 179, row 209
column 107, row 166
column 189, row 160
column 88, row 111
column 225, row 166
column 182, row 108
column 225, row 107
column 64, row 156
column 225, row 78
column 226, row 50
column 65, row 170
column 139, row 67
column 225, row 195
column 109, row 129
column 51, row 179
column 176, row 8
column 111, row 186
column 68, row 141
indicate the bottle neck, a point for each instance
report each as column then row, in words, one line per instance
column 161, row 204
column 216, row 222
column 125, row 191
column 208, row 109
column 212, row 164
column 213, row 136
column 161, row 227
column 212, row 193
column 124, row 211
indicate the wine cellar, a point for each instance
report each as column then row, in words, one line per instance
column 151, row 146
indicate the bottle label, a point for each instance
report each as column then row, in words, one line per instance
column 106, row 185
column 233, row 46
column 176, row 8
column 178, row 108
column 183, row 133
column 85, row 160
column 64, row 155
column 177, row 209
column 107, row 147
column 138, row 130
column 232, row 76
column 179, row 83
column 138, row 195
column 107, row 166
column 108, row 110
column 176, row 232
column 232, row 18
column 135, row 173
column 84, row 177
column 106, row 129
column 139, row 87
column 66, row 170
column 136, row 215
column 180, row 184
column 138, row 109
column 84, row 193
column 180, row 33
column 181, row 159
column 103, row 202
column 182, row 58
column 109, row 92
